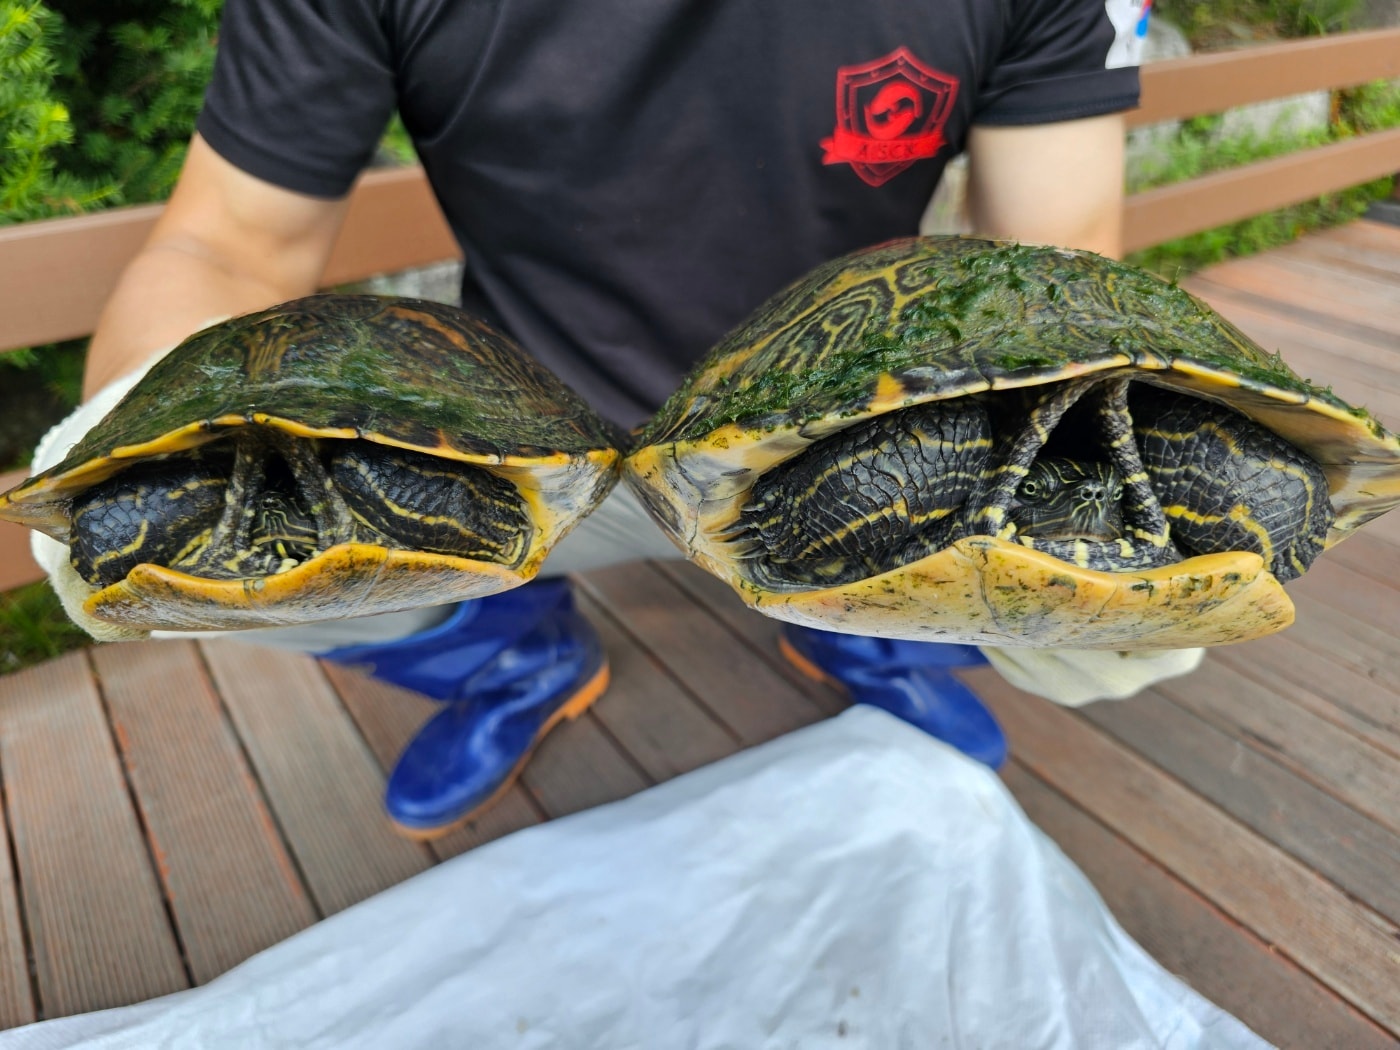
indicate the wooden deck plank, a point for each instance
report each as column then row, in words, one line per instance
column 1367, row 553
column 757, row 633
column 1298, row 288
column 17, row 1000
column 1345, row 945
column 1294, row 302
column 1345, row 697
column 1335, row 637
column 1330, row 837
column 388, row 717
column 1334, row 760
column 1192, row 938
column 1386, row 528
column 1358, row 595
column 579, row 766
column 648, row 710
column 1366, row 234
column 1367, row 285
column 231, row 885
column 755, row 702
column 1346, row 256
column 99, row 931
column 316, row 771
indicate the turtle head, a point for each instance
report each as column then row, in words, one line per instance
column 1069, row 499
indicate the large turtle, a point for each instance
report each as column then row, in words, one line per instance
column 968, row 440
column 334, row 456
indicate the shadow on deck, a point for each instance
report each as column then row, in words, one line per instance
column 172, row 808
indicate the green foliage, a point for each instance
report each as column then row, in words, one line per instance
column 396, row 147
column 133, row 73
column 40, row 386
column 1313, row 17
column 34, row 627
column 35, row 126
column 1199, row 151
column 1225, row 23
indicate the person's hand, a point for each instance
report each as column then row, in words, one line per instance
column 1074, row 677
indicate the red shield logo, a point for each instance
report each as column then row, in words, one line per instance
column 889, row 113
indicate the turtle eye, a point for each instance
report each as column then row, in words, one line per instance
column 1030, row 488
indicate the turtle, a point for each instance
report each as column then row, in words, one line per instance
column 333, row 456
column 979, row 441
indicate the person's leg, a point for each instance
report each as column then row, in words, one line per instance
column 912, row 680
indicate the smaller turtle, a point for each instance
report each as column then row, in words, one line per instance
column 334, row 456
column 966, row 440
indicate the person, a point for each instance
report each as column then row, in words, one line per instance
column 627, row 182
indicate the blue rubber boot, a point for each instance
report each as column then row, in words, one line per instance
column 911, row 680
column 443, row 662
column 509, row 668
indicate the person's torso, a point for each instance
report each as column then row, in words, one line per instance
column 631, row 178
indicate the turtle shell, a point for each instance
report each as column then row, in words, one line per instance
column 402, row 373
column 931, row 319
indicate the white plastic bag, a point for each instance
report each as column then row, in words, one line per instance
column 855, row 884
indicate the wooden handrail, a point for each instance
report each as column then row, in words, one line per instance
column 1158, row 215
column 59, row 272
column 1212, row 83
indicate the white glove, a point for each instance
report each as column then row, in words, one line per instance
column 52, row 556
column 1074, row 677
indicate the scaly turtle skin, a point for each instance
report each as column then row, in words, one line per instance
column 335, row 456
column 966, row 440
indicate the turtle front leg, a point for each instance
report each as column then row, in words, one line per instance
column 1118, row 523
column 1228, row 484
column 230, row 533
column 1142, row 510
column 988, row 513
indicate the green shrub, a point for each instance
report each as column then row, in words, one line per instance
column 133, row 74
column 35, row 124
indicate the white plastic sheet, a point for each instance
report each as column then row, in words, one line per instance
column 853, row 885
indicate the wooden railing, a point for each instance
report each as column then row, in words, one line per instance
column 55, row 274
column 1189, row 87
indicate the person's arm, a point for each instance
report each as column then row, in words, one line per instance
column 1056, row 184
column 227, row 243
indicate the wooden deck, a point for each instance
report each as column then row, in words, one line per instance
column 172, row 808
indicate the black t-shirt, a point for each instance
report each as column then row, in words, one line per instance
column 629, row 178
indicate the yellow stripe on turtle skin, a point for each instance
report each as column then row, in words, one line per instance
column 132, row 547
column 843, row 466
column 834, row 538
column 193, row 546
column 1244, row 516
column 455, row 524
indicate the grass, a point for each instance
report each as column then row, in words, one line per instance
column 34, row 627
